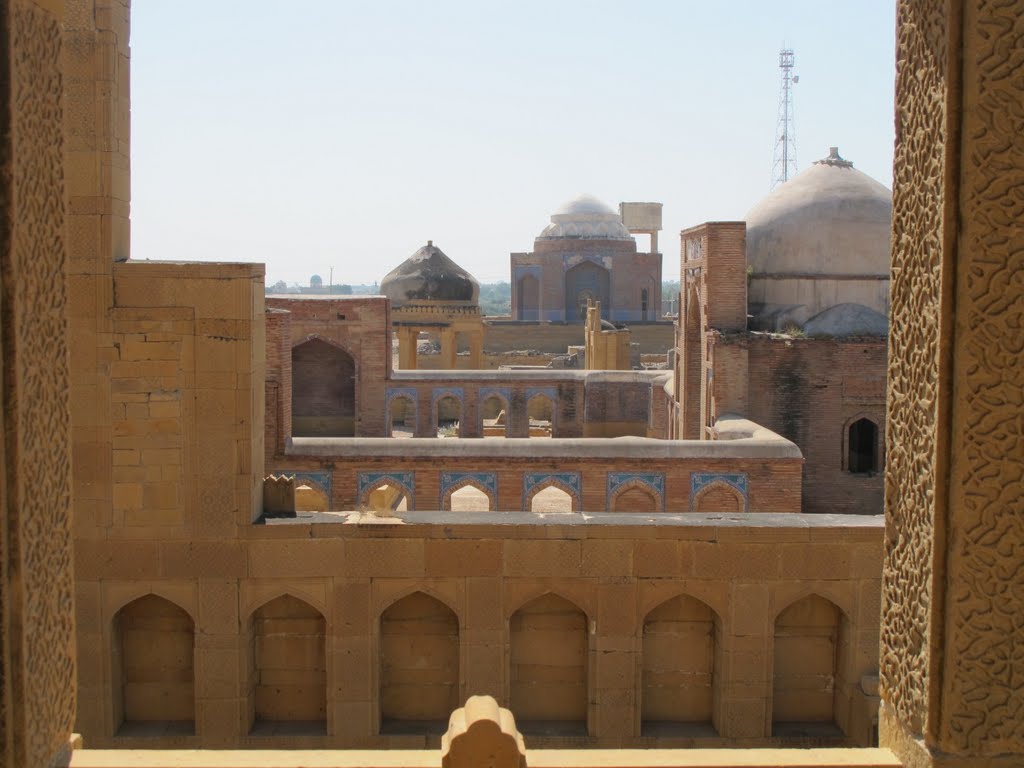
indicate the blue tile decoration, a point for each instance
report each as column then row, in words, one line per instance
column 504, row 393
column 548, row 392
column 440, row 392
column 653, row 480
column 700, row 480
column 369, row 480
column 410, row 392
column 570, row 480
column 486, row 480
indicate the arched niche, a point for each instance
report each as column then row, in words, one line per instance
column 402, row 416
column 494, row 416
column 323, row 390
column 419, row 665
column 548, row 650
column 153, row 669
column 586, row 282
column 681, row 669
column 288, row 668
column 811, row 650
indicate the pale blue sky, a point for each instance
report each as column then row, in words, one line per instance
column 330, row 133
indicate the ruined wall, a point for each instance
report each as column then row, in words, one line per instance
column 810, row 391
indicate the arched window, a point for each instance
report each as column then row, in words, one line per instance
column 419, row 665
column 862, row 447
column 541, row 412
column 469, row 498
column 493, row 417
column 551, row 499
column 402, row 417
column 449, row 416
column 153, row 675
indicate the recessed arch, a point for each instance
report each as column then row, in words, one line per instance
column 810, row 655
column 548, row 653
column 587, row 281
column 153, row 668
column 636, row 495
column 528, row 298
column 419, row 664
column 323, row 389
column 681, row 668
column 287, row 667
column 719, row 496
column 391, row 485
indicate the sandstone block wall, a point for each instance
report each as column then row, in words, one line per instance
column 604, row 633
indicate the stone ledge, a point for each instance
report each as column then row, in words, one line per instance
column 536, row 758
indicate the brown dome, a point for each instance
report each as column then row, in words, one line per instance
column 429, row 275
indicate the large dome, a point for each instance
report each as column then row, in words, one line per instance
column 429, row 275
column 585, row 217
column 830, row 219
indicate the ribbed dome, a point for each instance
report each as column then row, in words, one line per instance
column 429, row 275
column 585, row 217
column 830, row 219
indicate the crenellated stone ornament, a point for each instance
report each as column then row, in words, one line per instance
column 482, row 735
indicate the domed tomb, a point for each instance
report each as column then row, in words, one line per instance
column 585, row 217
column 818, row 241
column 429, row 275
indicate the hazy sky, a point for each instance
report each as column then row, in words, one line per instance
column 343, row 134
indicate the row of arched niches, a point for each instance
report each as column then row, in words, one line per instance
column 418, row 659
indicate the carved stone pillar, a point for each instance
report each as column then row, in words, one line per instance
column 37, row 623
column 952, row 656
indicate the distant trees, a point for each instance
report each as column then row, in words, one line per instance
column 496, row 299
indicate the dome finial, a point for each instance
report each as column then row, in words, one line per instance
column 834, row 159
column 430, row 243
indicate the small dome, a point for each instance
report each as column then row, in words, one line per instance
column 429, row 275
column 585, row 217
column 830, row 219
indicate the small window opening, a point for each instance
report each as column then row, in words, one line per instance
column 862, row 447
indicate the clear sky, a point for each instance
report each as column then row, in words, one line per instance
column 335, row 133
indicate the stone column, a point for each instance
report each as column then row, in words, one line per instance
column 951, row 660
column 448, row 349
column 476, row 348
column 407, row 338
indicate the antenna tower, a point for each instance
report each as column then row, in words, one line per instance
column 784, row 159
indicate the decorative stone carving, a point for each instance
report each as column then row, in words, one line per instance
column 482, row 735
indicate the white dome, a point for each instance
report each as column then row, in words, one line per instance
column 585, row 217
column 830, row 219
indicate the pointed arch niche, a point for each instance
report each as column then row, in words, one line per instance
column 153, row 669
column 287, row 669
column 548, row 650
column 812, row 648
column 681, row 669
column 419, row 665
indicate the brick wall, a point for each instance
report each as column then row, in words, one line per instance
column 809, row 391
column 361, row 327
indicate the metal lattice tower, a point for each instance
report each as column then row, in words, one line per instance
column 784, row 158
